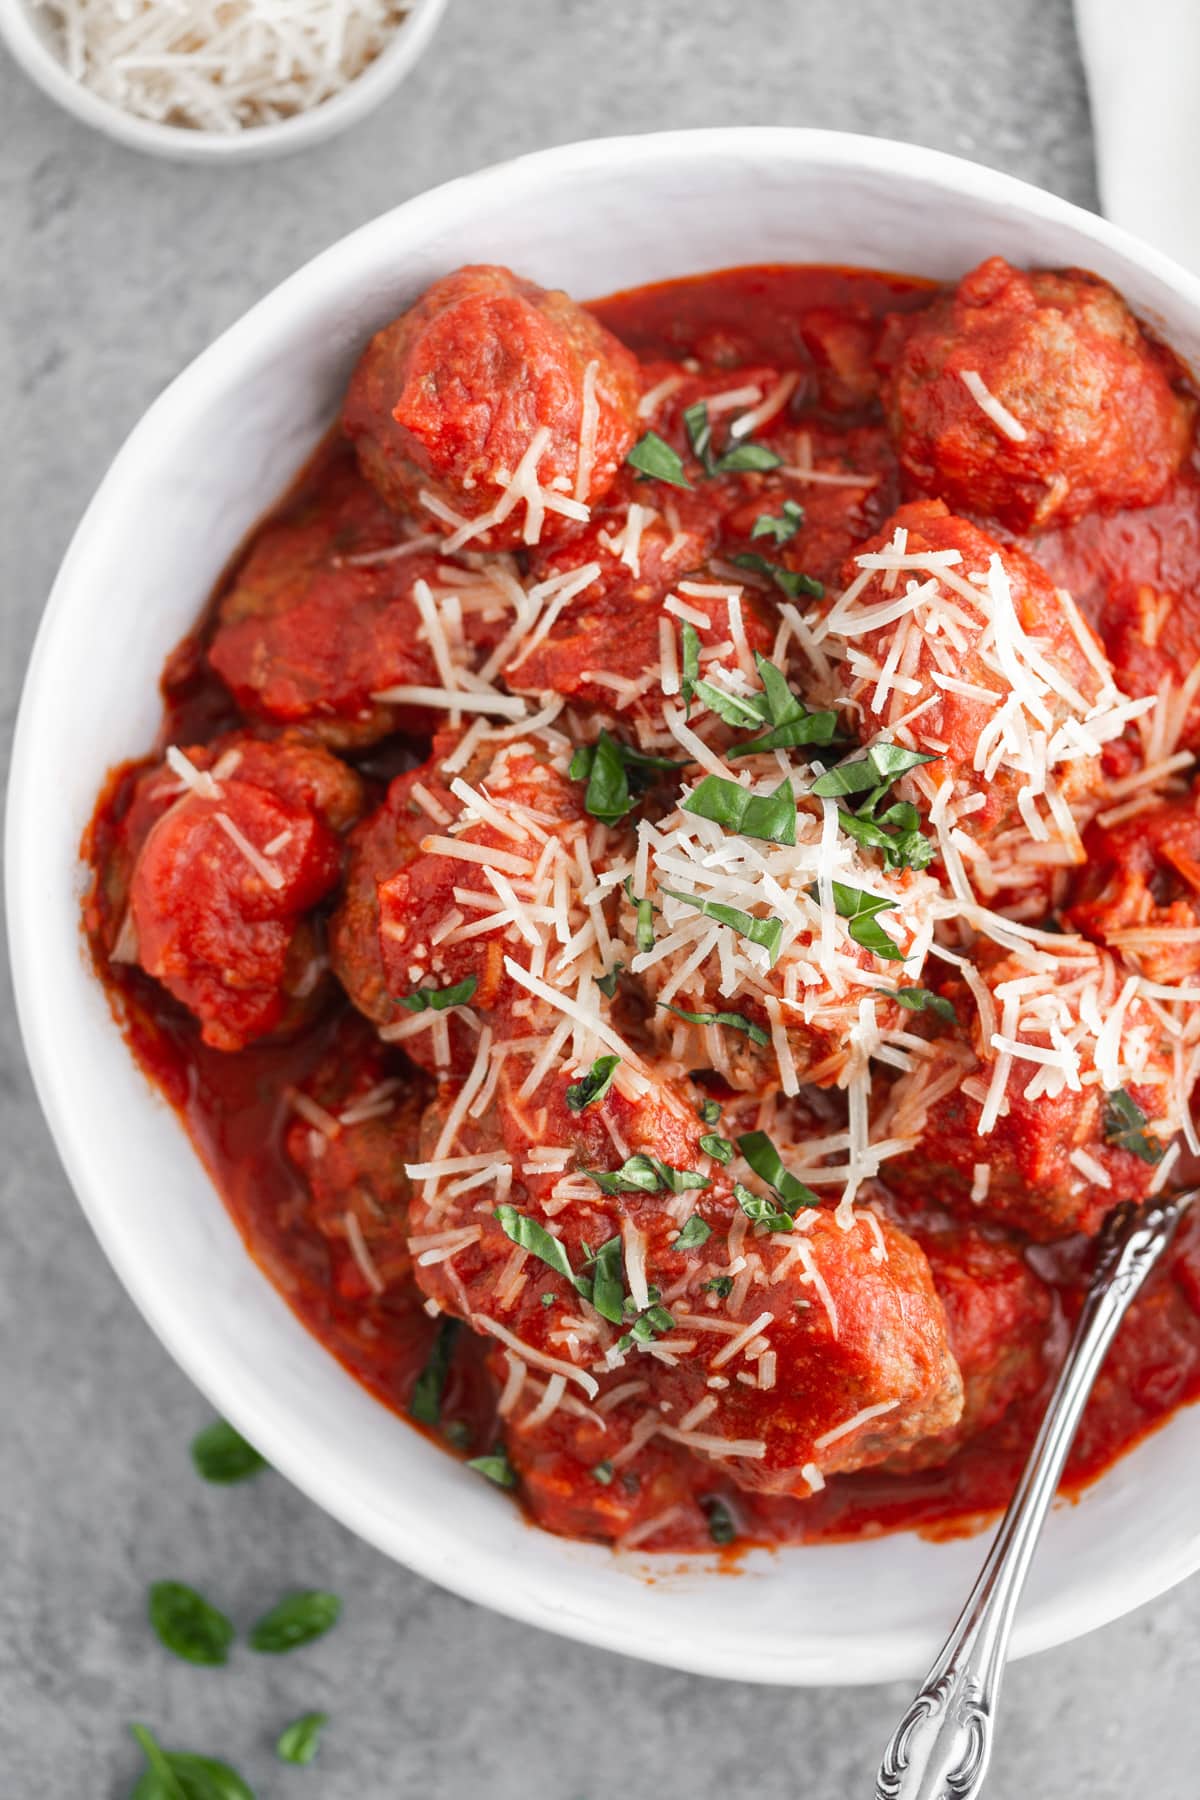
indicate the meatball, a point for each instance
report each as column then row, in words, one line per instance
column 997, row 671
column 1033, row 399
column 1139, row 893
column 780, row 1356
column 329, row 610
column 998, row 1315
column 221, row 883
column 355, row 1124
column 1031, row 1132
column 486, row 378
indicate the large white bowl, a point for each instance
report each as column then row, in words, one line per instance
column 206, row 460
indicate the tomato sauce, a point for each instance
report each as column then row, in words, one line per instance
column 235, row 1110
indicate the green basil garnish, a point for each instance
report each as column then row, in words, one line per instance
column 767, row 1164
column 606, row 1289
column 919, row 999
column 653, row 456
column 791, row 724
column 297, row 1742
column 645, row 1175
column 768, row 933
column 859, row 911
column 440, row 999
column 297, row 1619
column 769, row 817
column 747, row 459
column 719, row 1148
column 616, row 774
column 721, row 1528
column 761, row 1210
column 735, row 1020
column 1125, row 1127
column 790, row 581
column 594, row 1085
column 780, row 527
column 495, row 1467
column 537, row 1240
column 425, row 1401
column 709, row 1112
column 877, row 767
column 603, row 1473
column 720, row 1285
column 689, row 663
column 696, row 1231
column 607, row 983
column 222, row 1455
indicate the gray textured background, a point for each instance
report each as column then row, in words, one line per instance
column 114, row 272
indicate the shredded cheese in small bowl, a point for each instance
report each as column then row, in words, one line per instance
column 230, row 78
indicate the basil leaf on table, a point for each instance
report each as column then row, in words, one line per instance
column 187, row 1625
column 297, row 1742
column 298, row 1619
column 221, row 1455
column 182, row 1775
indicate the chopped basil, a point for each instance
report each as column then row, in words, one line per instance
column 877, row 767
column 720, row 1285
column 645, row 1175
column 721, row 1528
column 919, row 999
column 458, row 1432
column 767, row 1164
column 653, row 456
column 644, row 937
column 222, row 1455
column 791, row 723
column 696, row 1231
column 603, row 1473
column 537, row 1240
column 439, row 999
column 616, row 774
column 298, row 1619
column 689, row 663
column 735, row 1020
column 547, row 1299
column 606, row 1289
column 767, row 933
column 719, row 1148
column 297, row 1742
column 761, row 1210
column 425, row 1401
column 859, row 911
column 747, row 458
column 495, row 1467
column 646, row 1327
column 743, row 712
column 594, row 1085
column 897, row 832
column 698, row 426
column 181, row 1775
column 780, row 527
column 790, row 581
column 608, row 983
column 709, row 1112
column 1125, row 1127
column 769, row 817
column 187, row 1625
column 904, row 847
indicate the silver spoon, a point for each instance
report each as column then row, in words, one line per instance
column 941, row 1748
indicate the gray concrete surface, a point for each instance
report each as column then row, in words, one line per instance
column 114, row 271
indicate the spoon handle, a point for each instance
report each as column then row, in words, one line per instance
column 941, row 1747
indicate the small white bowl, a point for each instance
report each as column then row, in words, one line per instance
column 28, row 31
column 207, row 459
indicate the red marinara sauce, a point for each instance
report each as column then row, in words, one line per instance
column 825, row 323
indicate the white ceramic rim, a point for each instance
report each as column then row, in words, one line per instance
column 473, row 1568
column 28, row 43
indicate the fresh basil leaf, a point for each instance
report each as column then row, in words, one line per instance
column 653, row 456
column 1124, row 1127
column 594, row 1085
column 919, row 999
column 906, row 848
column 644, row 936
column 440, row 999
column 222, row 1455
column 720, row 1285
column 425, row 1401
column 606, row 1289
column 721, row 1528
column 818, row 728
column 537, row 1240
column 496, row 1468
column 696, row 1231
column 548, row 1299
column 859, row 911
column 689, row 663
column 740, row 711
column 187, row 1625
column 297, row 1742
column 736, row 1021
column 767, row 1164
column 603, row 1473
column 790, row 581
column 761, row 1210
column 767, row 933
column 297, row 1619
column 780, row 527
column 646, row 1175
column 747, row 458
column 647, row 1326
column 709, row 1112
column 719, row 1148
column 698, row 426
column 771, row 818
column 607, row 983
column 607, row 795
column 877, row 767
column 181, row 1775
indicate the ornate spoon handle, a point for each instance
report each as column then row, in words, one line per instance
column 941, row 1747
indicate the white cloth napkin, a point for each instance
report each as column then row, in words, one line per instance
column 1143, row 69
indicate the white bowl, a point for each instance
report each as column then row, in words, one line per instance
column 29, row 33
column 206, row 460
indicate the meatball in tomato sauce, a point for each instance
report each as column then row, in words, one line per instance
column 488, row 378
